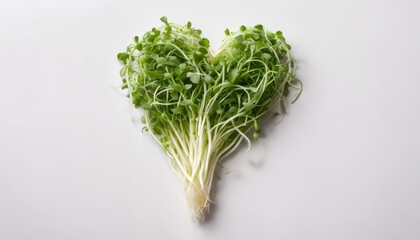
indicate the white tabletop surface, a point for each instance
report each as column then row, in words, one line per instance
column 344, row 164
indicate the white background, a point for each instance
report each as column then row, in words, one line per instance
column 344, row 164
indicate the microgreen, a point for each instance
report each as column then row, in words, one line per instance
column 199, row 106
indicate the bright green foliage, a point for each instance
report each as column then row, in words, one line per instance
column 199, row 106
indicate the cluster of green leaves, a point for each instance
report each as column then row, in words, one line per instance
column 197, row 105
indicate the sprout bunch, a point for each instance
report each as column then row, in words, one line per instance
column 199, row 106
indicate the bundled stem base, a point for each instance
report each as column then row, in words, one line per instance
column 198, row 200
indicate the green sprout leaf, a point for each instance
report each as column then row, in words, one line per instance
column 164, row 19
column 194, row 77
column 123, row 57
